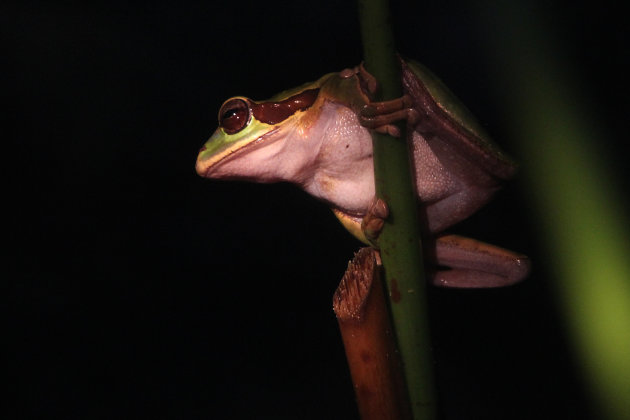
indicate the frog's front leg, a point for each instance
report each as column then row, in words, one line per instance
column 382, row 116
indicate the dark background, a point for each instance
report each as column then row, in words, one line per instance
column 135, row 287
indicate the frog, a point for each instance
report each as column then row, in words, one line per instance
column 318, row 136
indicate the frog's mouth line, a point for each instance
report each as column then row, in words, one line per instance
column 233, row 154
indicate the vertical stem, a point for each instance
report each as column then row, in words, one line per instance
column 399, row 241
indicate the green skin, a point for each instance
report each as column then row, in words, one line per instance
column 325, row 148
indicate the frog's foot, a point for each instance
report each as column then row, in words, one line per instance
column 467, row 263
column 381, row 116
column 373, row 221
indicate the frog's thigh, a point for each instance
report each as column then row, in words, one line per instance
column 468, row 263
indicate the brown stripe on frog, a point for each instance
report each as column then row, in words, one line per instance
column 275, row 112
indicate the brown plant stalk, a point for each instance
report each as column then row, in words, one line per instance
column 367, row 334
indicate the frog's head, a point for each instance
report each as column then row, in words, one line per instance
column 251, row 140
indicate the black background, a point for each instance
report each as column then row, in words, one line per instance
column 135, row 287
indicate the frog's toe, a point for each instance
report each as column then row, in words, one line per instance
column 381, row 116
column 373, row 221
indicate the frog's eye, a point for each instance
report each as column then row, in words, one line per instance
column 234, row 115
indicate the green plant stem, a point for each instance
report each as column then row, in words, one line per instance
column 399, row 241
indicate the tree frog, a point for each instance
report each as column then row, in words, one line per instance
column 318, row 136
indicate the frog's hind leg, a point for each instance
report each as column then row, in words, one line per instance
column 468, row 263
column 458, row 204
